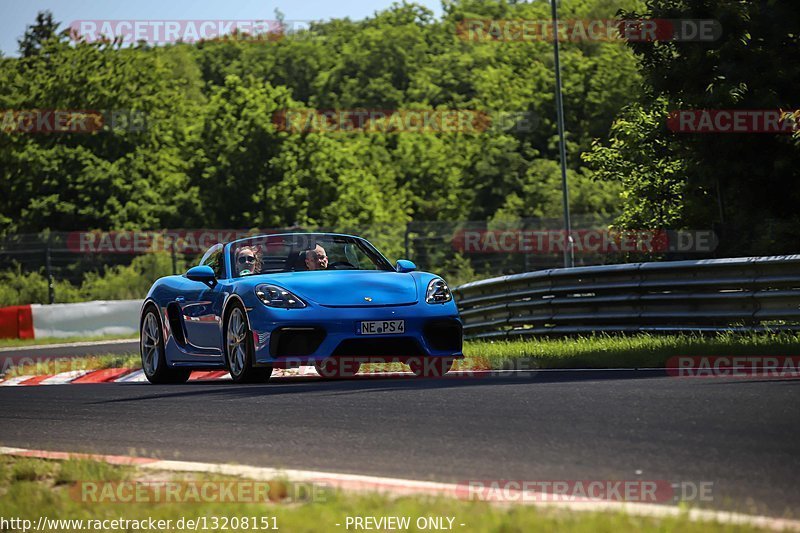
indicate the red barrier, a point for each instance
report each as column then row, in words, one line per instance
column 16, row 322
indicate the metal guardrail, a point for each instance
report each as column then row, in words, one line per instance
column 741, row 294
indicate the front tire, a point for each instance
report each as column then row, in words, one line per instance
column 240, row 351
column 151, row 348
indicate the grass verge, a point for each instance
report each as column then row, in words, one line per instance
column 635, row 351
column 14, row 343
column 34, row 488
column 50, row 366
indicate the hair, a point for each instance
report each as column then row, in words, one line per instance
column 256, row 252
column 313, row 250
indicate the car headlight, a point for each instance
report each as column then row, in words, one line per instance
column 438, row 292
column 273, row 296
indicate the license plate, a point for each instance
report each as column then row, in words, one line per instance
column 381, row 327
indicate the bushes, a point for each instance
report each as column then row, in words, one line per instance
column 126, row 282
column 18, row 288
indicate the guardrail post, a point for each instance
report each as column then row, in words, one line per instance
column 174, row 258
column 48, row 265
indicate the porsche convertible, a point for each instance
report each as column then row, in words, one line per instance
column 285, row 300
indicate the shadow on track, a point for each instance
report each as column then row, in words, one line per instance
column 367, row 384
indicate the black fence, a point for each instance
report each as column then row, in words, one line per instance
column 462, row 251
column 486, row 249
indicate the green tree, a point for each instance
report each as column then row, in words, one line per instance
column 743, row 184
column 131, row 173
column 45, row 29
column 238, row 142
column 211, row 153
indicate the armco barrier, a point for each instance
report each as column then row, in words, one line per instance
column 86, row 319
column 117, row 317
column 750, row 294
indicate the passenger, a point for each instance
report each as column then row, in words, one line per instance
column 316, row 258
column 248, row 261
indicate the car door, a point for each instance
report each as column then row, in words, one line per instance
column 201, row 306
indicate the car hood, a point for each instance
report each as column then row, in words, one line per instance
column 350, row 288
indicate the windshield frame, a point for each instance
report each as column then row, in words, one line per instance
column 306, row 239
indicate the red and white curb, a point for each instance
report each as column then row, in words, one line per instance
column 130, row 375
column 408, row 487
column 15, row 381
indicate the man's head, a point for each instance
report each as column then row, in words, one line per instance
column 316, row 258
column 247, row 260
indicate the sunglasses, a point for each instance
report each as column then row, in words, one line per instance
column 243, row 259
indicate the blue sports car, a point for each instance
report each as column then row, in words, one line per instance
column 285, row 300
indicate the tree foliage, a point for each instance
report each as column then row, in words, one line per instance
column 210, row 153
column 743, row 184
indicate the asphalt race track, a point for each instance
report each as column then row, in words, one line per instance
column 741, row 434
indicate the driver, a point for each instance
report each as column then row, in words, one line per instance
column 316, row 258
column 248, row 261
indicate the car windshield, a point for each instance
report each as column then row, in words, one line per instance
column 304, row 252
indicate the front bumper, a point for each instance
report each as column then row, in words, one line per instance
column 292, row 337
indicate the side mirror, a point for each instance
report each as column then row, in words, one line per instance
column 404, row 265
column 203, row 274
